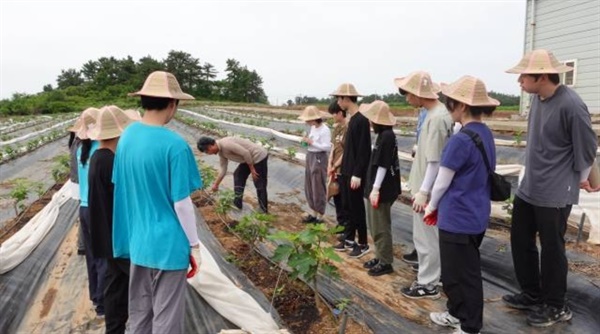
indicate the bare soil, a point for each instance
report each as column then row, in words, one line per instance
column 295, row 303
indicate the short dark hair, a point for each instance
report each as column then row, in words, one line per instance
column 378, row 128
column 318, row 120
column 553, row 77
column 451, row 103
column 335, row 108
column 156, row 103
column 204, row 143
column 402, row 91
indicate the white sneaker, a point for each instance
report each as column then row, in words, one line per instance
column 445, row 319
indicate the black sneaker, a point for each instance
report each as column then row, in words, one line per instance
column 522, row 301
column 237, row 203
column 359, row 251
column 549, row 315
column 411, row 258
column 341, row 237
column 309, row 219
column 418, row 291
column 371, row 263
column 381, row 269
column 344, row 246
column 415, row 267
column 81, row 252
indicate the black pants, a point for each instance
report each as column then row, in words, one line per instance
column 340, row 212
column 461, row 269
column 240, row 176
column 353, row 202
column 551, row 223
column 116, row 295
column 96, row 267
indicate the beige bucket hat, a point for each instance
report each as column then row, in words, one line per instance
column 85, row 122
column 345, row 89
column 162, row 84
column 419, row 84
column 470, row 91
column 133, row 114
column 378, row 112
column 539, row 61
column 312, row 113
column 110, row 123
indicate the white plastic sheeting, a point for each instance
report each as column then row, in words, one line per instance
column 33, row 134
column 14, row 250
column 229, row 300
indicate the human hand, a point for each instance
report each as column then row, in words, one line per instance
column 585, row 185
column 420, row 201
column 214, row 188
column 430, row 217
column 374, row 197
column 354, row 182
column 195, row 261
column 254, row 174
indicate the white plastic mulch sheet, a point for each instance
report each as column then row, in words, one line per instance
column 16, row 249
column 229, row 300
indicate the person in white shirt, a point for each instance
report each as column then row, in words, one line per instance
column 318, row 144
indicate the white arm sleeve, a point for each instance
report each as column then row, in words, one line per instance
column 430, row 174
column 379, row 177
column 442, row 182
column 585, row 174
column 187, row 218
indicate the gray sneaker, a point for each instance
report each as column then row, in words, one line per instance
column 444, row 319
column 359, row 251
column 418, row 291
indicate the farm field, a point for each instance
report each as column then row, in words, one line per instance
column 56, row 298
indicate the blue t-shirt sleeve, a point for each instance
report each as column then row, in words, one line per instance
column 456, row 152
column 184, row 174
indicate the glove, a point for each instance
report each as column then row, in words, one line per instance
column 195, row 260
column 430, row 217
column 354, row 182
column 420, row 201
column 374, row 197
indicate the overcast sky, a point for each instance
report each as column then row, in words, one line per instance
column 298, row 47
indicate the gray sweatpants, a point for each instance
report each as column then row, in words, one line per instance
column 156, row 300
column 427, row 244
column 315, row 181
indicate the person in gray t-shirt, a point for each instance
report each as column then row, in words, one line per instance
column 561, row 147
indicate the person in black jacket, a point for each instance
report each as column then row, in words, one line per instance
column 357, row 151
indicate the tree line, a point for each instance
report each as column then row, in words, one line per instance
column 107, row 80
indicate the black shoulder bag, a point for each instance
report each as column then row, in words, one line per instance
column 500, row 187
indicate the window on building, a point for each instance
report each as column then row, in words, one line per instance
column 568, row 78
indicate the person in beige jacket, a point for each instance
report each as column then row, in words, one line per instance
column 252, row 159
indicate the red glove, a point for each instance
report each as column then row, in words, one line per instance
column 431, row 218
column 194, row 269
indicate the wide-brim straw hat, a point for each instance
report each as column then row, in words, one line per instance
column 110, row 123
column 85, row 122
column 346, row 89
column 133, row 114
column 162, row 84
column 470, row 91
column 539, row 62
column 378, row 112
column 312, row 113
column 419, row 83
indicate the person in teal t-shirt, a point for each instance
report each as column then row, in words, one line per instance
column 154, row 222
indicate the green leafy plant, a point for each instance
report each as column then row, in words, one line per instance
column 291, row 152
column 508, row 205
column 224, row 201
column 208, row 174
column 39, row 188
column 254, row 227
column 19, row 193
column 61, row 167
column 304, row 252
column 518, row 136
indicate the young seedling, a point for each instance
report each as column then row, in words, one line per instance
column 304, row 252
column 19, row 193
column 291, row 152
column 254, row 228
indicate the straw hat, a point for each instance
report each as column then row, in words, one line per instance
column 133, row 114
column 378, row 112
column 312, row 113
column 162, row 84
column 470, row 91
column 85, row 122
column 539, row 62
column 419, row 84
column 110, row 123
column 345, row 89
